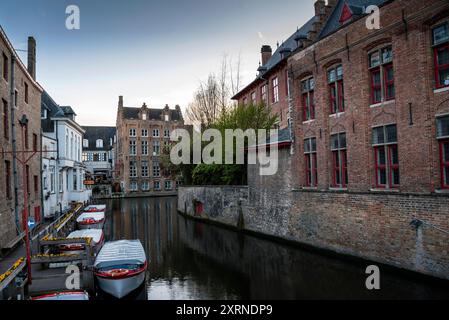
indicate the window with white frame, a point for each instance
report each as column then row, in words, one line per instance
column 275, row 86
column 99, row 143
column 145, row 171
column 132, row 169
column 145, row 186
column 263, row 93
column 157, row 185
column 155, row 133
column 144, row 133
column 156, row 148
column 166, row 133
column 132, row 132
column 144, row 148
column 156, row 169
column 168, row 185
column 85, row 143
column 132, row 147
column 133, row 186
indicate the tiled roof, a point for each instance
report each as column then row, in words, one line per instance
column 358, row 7
column 153, row 114
column 93, row 134
column 277, row 57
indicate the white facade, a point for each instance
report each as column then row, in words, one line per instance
column 66, row 184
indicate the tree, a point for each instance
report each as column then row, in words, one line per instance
column 213, row 97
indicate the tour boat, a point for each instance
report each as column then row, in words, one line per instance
column 96, row 208
column 120, row 267
column 63, row 296
column 97, row 241
column 91, row 220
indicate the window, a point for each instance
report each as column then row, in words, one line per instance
column 16, row 101
column 167, row 118
column 339, row 160
column 5, row 120
column 75, row 180
column 156, row 148
column 132, row 148
column 145, row 186
column 335, row 80
column 133, row 186
column 386, row 156
column 144, row 148
column 311, row 162
column 168, row 185
column 36, row 184
column 43, row 110
column 85, row 143
column 443, row 137
column 5, row 67
column 382, row 75
column 145, row 172
column 61, row 182
column 132, row 132
column 156, row 170
column 26, row 92
column 99, row 143
column 253, row 98
column 308, row 103
column 166, row 133
column 144, row 116
column 157, row 185
column 35, row 142
column 145, row 133
column 84, row 156
column 156, row 133
column 263, row 93
column 8, row 179
column 275, row 83
column 132, row 169
column 441, row 53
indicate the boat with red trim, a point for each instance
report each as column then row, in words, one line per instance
column 63, row 296
column 91, row 220
column 96, row 208
column 96, row 236
column 120, row 267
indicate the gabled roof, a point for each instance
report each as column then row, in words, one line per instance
column 277, row 57
column 357, row 8
column 153, row 114
column 93, row 134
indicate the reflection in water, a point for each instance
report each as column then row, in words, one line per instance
column 191, row 260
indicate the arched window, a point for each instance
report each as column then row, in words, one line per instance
column 99, row 143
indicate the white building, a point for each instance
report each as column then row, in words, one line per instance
column 64, row 174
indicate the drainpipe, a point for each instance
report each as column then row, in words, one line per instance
column 14, row 144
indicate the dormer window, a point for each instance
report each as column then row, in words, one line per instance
column 346, row 14
column 167, row 118
column 144, row 116
column 85, row 143
column 99, row 143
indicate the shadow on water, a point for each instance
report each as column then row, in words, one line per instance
column 192, row 260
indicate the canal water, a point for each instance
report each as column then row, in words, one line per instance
column 194, row 261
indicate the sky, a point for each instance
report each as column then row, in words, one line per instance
column 149, row 51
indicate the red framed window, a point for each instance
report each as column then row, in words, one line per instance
column 8, row 179
column 443, row 138
column 340, row 160
column 382, row 75
column 311, row 162
column 336, row 90
column 275, row 84
column 386, row 157
column 263, row 93
column 441, row 54
column 444, row 156
column 308, row 101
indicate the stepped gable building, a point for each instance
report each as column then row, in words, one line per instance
column 98, row 153
column 271, row 86
column 142, row 135
column 367, row 173
column 20, row 97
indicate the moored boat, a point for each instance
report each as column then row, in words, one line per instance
column 96, row 208
column 96, row 236
column 91, row 220
column 120, row 267
column 63, row 296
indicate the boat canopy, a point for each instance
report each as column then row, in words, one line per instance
column 98, row 207
column 97, row 216
column 95, row 234
column 120, row 253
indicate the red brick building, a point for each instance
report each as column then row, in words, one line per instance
column 368, row 171
column 271, row 86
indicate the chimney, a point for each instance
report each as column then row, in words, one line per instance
column 120, row 101
column 32, row 57
column 320, row 6
column 266, row 54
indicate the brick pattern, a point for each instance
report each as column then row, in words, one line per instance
column 31, row 109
